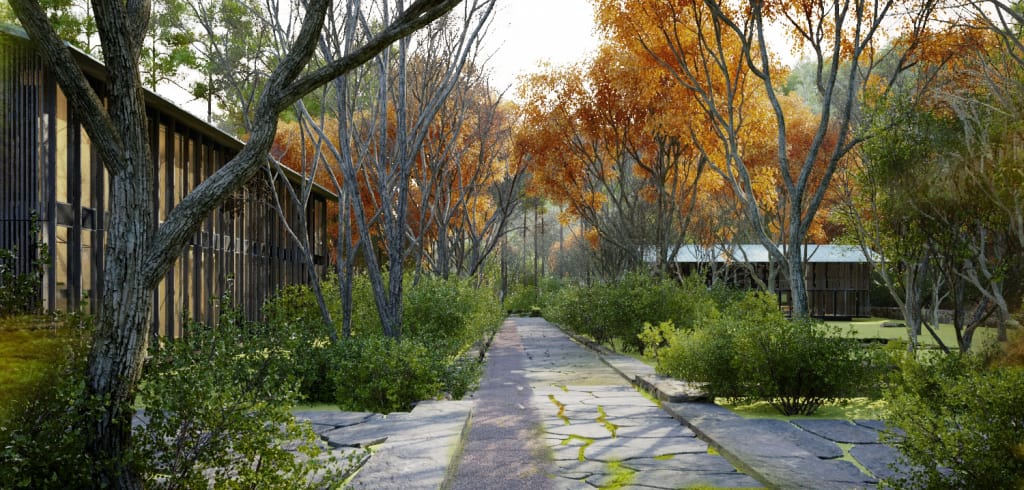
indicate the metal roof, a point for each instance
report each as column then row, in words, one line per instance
column 757, row 253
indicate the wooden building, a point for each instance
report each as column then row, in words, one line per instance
column 54, row 200
column 838, row 277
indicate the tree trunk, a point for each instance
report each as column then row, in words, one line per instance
column 797, row 283
column 121, row 336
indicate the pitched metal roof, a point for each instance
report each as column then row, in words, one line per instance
column 757, row 253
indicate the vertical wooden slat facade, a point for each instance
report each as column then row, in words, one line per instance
column 50, row 177
column 837, row 277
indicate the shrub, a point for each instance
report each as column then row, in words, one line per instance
column 19, row 293
column 752, row 352
column 522, row 299
column 445, row 316
column 704, row 354
column 619, row 310
column 293, row 317
column 962, row 421
column 380, row 374
column 452, row 313
column 218, row 405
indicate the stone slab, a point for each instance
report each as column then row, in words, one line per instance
column 671, row 479
column 672, row 390
column 839, row 430
column 620, row 448
column 362, row 435
column 333, row 418
column 419, row 455
column 703, row 462
column 813, row 443
column 880, row 426
column 658, row 428
column 879, row 459
column 590, row 430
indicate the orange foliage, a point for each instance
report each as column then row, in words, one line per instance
column 578, row 119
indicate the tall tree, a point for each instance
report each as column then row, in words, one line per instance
column 139, row 253
column 608, row 140
column 720, row 53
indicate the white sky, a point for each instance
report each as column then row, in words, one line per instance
column 526, row 32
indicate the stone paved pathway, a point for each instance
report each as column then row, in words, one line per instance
column 503, row 448
column 597, row 428
column 553, row 414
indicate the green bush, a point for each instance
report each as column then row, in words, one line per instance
column 449, row 312
column 444, row 316
column 293, row 316
column 19, row 293
column 380, row 374
column 963, row 422
column 752, row 352
column 619, row 310
column 525, row 297
column 521, row 299
column 218, row 402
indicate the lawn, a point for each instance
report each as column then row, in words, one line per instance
column 30, row 346
column 872, row 328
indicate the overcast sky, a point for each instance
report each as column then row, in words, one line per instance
column 525, row 32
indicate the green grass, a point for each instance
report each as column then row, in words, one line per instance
column 318, row 407
column 30, row 348
column 850, row 409
column 871, row 328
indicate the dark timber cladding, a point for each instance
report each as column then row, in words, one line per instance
column 837, row 277
column 54, row 195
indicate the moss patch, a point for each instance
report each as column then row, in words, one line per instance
column 561, row 409
column 619, row 476
column 586, row 443
column 31, row 348
column 602, row 418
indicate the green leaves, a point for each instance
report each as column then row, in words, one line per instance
column 218, row 402
column 753, row 353
column 962, row 422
